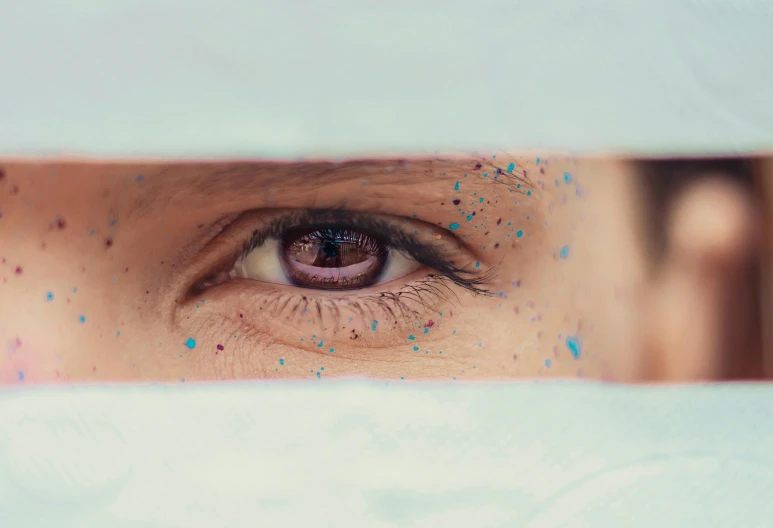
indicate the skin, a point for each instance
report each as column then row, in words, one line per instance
column 120, row 245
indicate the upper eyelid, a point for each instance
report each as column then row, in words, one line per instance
column 376, row 223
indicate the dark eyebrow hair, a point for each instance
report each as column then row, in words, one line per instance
column 234, row 179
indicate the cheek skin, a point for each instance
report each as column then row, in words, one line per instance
column 558, row 307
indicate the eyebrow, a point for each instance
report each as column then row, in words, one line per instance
column 220, row 181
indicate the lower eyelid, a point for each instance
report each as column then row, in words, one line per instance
column 401, row 306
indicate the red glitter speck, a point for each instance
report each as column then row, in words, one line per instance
column 429, row 324
column 220, row 347
column 61, row 223
column 19, row 271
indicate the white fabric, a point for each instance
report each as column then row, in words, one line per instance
column 281, row 78
column 362, row 454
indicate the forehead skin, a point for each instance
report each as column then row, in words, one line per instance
column 95, row 257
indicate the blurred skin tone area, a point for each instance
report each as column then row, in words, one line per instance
column 451, row 268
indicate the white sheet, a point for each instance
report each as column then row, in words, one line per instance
column 269, row 78
column 361, row 454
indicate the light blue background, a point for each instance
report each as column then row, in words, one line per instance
column 361, row 454
column 352, row 77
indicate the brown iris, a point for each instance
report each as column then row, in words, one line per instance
column 332, row 258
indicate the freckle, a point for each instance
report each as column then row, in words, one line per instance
column 15, row 189
column 2, row 174
column 19, row 270
column 517, row 309
column 43, row 245
column 93, row 369
column 109, row 242
column 61, row 223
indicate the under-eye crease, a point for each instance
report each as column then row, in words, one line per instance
column 443, row 265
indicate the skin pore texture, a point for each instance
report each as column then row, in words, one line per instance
column 106, row 270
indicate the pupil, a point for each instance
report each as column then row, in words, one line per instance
column 330, row 249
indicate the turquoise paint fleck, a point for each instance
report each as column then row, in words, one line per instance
column 374, row 325
column 567, row 177
column 565, row 252
column 82, row 319
column 426, row 330
column 456, row 187
column 190, row 343
column 477, row 264
column 118, row 333
column 454, row 226
column 320, row 344
column 411, row 337
column 510, row 167
column 415, row 348
column 49, row 296
column 519, row 234
column 481, row 200
column 547, row 363
column 332, row 350
column 537, row 161
column 574, row 346
column 21, row 375
column 281, row 361
column 469, row 217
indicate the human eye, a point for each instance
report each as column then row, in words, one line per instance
column 325, row 266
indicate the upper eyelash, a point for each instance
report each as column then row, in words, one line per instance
column 471, row 280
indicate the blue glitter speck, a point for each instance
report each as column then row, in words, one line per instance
column 574, row 346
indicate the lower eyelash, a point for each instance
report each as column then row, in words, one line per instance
column 394, row 306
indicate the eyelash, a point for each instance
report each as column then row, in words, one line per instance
column 426, row 292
